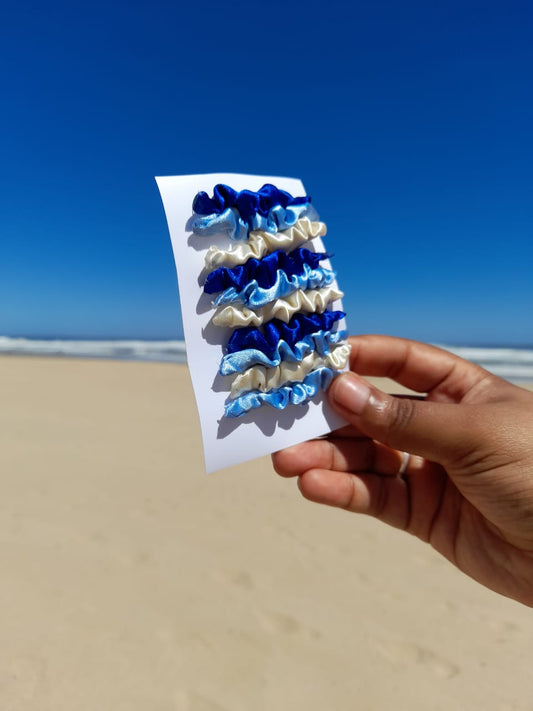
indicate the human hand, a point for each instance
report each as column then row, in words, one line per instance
column 468, row 485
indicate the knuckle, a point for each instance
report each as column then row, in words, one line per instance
column 397, row 415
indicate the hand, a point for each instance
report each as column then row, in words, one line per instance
column 468, row 486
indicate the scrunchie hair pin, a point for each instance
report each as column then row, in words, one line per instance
column 236, row 213
column 286, row 345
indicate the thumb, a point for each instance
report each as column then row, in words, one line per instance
column 441, row 432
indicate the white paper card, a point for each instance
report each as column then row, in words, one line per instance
column 228, row 441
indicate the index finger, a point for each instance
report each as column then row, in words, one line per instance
column 415, row 365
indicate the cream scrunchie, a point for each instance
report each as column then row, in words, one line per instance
column 260, row 243
column 264, row 379
column 312, row 301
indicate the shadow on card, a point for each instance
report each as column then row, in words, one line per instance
column 266, row 419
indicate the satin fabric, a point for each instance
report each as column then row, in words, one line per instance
column 270, row 280
column 255, row 297
column 267, row 339
column 264, row 379
column 264, row 271
column 260, row 243
column 247, row 202
column 293, row 393
column 321, row 342
column 231, row 224
column 312, row 301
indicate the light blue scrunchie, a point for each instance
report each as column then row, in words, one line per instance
column 296, row 393
column 256, row 296
column 320, row 342
column 231, row 223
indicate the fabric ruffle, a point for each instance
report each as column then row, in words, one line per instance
column 264, row 379
column 231, row 224
column 263, row 271
column 286, row 345
column 254, row 296
column 320, row 342
column 312, row 301
column 267, row 339
column 291, row 394
column 247, row 202
column 261, row 243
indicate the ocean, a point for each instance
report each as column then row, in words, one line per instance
column 156, row 351
column 512, row 363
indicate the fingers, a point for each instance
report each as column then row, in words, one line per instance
column 440, row 432
column 408, row 502
column 340, row 455
column 386, row 498
column 415, row 365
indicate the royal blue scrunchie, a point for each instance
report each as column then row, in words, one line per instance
column 267, row 339
column 247, row 202
column 264, row 270
column 255, row 296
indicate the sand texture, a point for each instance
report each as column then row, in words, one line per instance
column 131, row 581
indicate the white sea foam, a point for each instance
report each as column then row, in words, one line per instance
column 162, row 351
column 510, row 363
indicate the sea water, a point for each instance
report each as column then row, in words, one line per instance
column 159, row 351
column 510, row 363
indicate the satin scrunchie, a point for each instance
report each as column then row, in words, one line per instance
column 263, row 271
column 231, row 223
column 260, row 243
column 255, row 296
column 286, row 345
column 322, row 342
column 247, row 202
column 267, row 339
column 312, row 301
column 294, row 393
column 264, row 379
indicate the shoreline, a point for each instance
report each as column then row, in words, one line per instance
column 526, row 383
column 512, row 364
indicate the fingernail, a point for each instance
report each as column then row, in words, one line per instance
column 351, row 393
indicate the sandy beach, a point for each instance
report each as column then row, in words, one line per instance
column 131, row 581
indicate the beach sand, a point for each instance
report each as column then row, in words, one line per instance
column 131, row 581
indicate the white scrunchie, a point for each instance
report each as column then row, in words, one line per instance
column 312, row 301
column 258, row 377
column 260, row 243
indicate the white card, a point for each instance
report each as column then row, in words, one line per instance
column 228, row 441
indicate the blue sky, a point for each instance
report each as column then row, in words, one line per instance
column 410, row 123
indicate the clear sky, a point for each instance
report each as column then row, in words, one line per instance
column 410, row 124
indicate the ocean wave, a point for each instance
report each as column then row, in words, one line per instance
column 158, row 351
column 510, row 363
